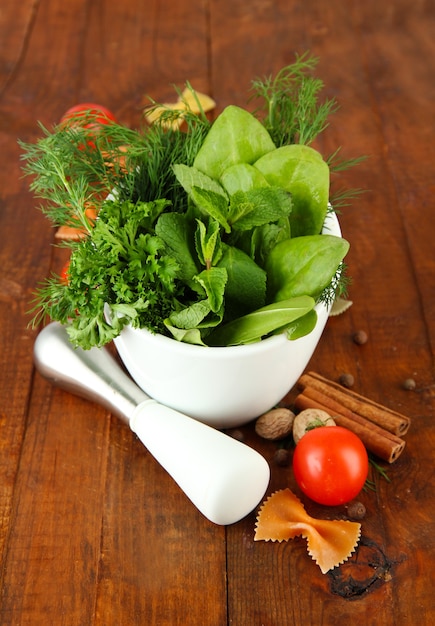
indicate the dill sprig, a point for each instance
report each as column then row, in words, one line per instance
column 291, row 110
column 73, row 170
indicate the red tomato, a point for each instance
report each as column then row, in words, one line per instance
column 100, row 114
column 64, row 273
column 330, row 465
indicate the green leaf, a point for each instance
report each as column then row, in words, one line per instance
column 236, row 136
column 192, row 335
column 302, row 326
column 265, row 238
column 242, row 177
column 258, row 207
column 212, row 203
column 260, row 323
column 301, row 171
column 175, row 230
column 303, row 265
column 246, row 286
column 208, row 242
column 191, row 316
column 190, row 177
column 213, row 281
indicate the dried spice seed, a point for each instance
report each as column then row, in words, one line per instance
column 347, row 380
column 409, row 384
column 236, row 433
column 360, row 337
column 356, row 510
column 281, row 457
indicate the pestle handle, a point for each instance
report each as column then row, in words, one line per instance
column 224, row 478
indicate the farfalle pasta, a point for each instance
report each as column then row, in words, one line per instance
column 329, row 542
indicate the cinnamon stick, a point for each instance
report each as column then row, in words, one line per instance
column 379, row 441
column 384, row 417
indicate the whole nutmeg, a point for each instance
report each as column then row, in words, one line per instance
column 307, row 420
column 275, row 424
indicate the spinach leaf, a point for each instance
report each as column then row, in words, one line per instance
column 259, row 324
column 303, row 265
column 236, row 136
column 242, row 177
column 302, row 171
column 246, row 286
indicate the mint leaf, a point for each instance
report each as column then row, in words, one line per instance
column 190, row 321
column 212, row 203
column 190, row 177
column 213, row 281
column 265, row 238
column 257, row 207
column 208, row 242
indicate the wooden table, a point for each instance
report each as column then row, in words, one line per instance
column 92, row 530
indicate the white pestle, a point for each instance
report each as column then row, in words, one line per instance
column 224, row 478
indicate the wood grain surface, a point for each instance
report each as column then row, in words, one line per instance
column 92, row 531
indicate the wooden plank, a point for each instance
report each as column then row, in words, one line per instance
column 161, row 562
column 274, row 583
column 50, row 570
column 24, row 249
column 83, row 547
column 92, row 530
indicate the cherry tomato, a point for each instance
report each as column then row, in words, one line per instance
column 99, row 114
column 89, row 116
column 330, row 465
column 64, row 273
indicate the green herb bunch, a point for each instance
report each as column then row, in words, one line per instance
column 187, row 223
